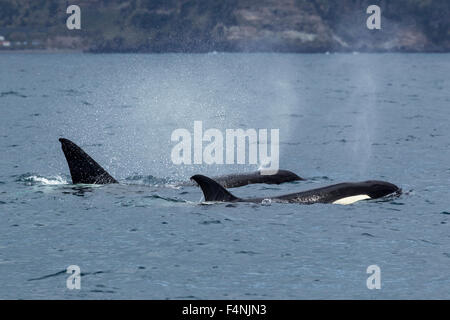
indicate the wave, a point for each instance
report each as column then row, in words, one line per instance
column 168, row 199
column 12, row 93
column 31, row 180
column 147, row 201
column 152, row 181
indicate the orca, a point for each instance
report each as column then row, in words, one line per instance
column 84, row 170
column 243, row 179
column 342, row 193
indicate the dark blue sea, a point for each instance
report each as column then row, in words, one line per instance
column 342, row 117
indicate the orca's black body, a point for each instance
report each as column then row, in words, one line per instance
column 243, row 179
column 342, row 193
column 84, row 169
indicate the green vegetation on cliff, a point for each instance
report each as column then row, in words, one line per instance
column 227, row 25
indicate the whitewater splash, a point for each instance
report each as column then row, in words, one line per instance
column 33, row 179
column 40, row 180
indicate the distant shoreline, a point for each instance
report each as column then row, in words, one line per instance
column 71, row 51
column 202, row 26
column 42, row 51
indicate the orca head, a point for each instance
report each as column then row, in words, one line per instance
column 379, row 189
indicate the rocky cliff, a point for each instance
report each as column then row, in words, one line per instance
column 228, row 25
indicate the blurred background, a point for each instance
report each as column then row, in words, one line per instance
column 228, row 25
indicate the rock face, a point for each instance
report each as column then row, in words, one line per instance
column 310, row 26
column 277, row 26
column 231, row 25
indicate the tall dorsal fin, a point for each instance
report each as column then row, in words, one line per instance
column 83, row 168
column 212, row 190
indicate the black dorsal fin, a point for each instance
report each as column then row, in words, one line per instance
column 212, row 190
column 83, row 168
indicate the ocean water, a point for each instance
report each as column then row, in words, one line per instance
column 342, row 117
